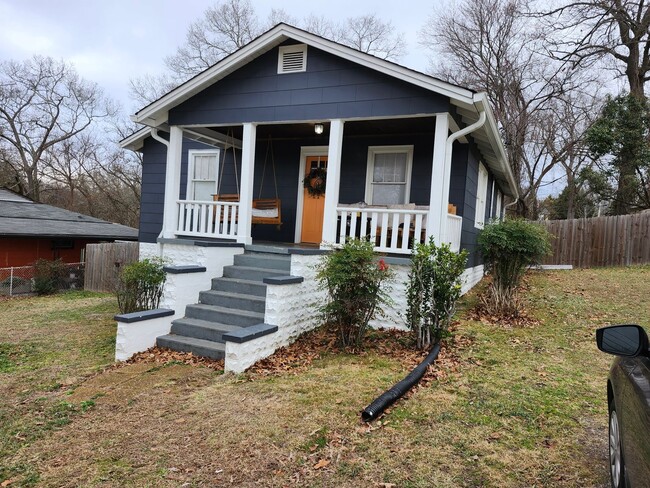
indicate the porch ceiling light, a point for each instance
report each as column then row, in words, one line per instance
column 318, row 128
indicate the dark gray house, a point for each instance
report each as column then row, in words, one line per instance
column 296, row 139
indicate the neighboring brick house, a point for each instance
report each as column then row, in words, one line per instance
column 31, row 231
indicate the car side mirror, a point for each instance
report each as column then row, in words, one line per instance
column 622, row 340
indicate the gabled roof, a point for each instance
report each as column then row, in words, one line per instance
column 469, row 103
column 20, row 216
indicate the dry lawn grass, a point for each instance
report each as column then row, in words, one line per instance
column 527, row 409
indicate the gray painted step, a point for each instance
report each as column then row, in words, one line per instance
column 249, row 273
column 227, row 299
column 199, row 347
column 266, row 248
column 222, row 315
column 238, row 285
column 201, row 329
column 264, row 260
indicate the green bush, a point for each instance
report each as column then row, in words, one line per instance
column 140, row 286
column 48, row 276
column 433, row 288
column 353, row 278
column 509, row 247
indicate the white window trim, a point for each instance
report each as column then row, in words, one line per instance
column 292, row 48
column 191, row 154
column 372, row 151
column 481, row 195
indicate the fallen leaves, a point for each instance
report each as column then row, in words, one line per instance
column 163, row 356
column 321, row 464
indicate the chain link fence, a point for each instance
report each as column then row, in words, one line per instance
column 19, row 280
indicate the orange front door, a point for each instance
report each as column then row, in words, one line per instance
column 313, row 207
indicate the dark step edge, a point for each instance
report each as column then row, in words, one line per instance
column 129, row 318
column 283, row 280
column 234, row 294
column 222, row 309
column 184, row 269
column 250, row 333
column 198, row 347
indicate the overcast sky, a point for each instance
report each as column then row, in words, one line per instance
column 111, row 41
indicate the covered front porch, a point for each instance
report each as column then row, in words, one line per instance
column 387, row 180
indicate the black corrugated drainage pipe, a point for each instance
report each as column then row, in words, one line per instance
column 386, row 399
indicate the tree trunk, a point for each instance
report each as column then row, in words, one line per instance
column 570, row 197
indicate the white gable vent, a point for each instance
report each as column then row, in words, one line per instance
column 292, row 59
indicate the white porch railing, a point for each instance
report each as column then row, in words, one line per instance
column 207, row 219
column 384, row 227
column 454, row 230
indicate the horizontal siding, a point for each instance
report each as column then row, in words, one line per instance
column 330, row 88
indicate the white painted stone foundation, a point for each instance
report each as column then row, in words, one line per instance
column 139, row 336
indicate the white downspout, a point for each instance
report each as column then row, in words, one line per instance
column 165, row 142
column 447, row 169
column 154, row 134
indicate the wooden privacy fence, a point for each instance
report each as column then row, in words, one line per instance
column 600, row 241
column 104, row 261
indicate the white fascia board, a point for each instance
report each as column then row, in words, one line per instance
column 134, row 141
column 156, row 112
column 492, row 131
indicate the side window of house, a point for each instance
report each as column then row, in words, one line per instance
column 481, row 196
column 389, row 175
column 499, row 204
column 202, row 175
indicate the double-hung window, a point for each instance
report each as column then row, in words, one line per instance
column 388, row 180
column 202, row 171
column 481, row 196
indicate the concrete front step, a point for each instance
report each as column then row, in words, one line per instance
column 222, row 315
column 250, row 273
column 202, row 329
column 237, row 285
column 229, row 299
column 264, row 260
column 199, row 347
column 267, row 248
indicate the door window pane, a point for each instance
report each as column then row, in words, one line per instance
column 203, row 177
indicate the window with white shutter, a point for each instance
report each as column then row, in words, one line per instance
column 292, row 59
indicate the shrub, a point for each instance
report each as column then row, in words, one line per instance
column 433, row 288
column 140, row 286
column 48, row 276
column 509, row 247
column 353, row 279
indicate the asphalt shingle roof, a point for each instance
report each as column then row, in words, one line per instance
column 22, row 217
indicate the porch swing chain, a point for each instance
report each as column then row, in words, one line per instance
column 229, row 137
column 269, row 148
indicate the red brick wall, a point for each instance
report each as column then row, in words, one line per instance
column 23, row 251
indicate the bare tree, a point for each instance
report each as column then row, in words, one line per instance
column 618, row 32
column 43, row 102
column 224, row 28
column 369, row 34
column 489, row 46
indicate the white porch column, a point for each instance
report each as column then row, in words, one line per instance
column 440, row 178
column 246, row 191
column 172, row 182
column 333, row 181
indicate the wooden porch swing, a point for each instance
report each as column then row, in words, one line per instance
column 265, row 210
